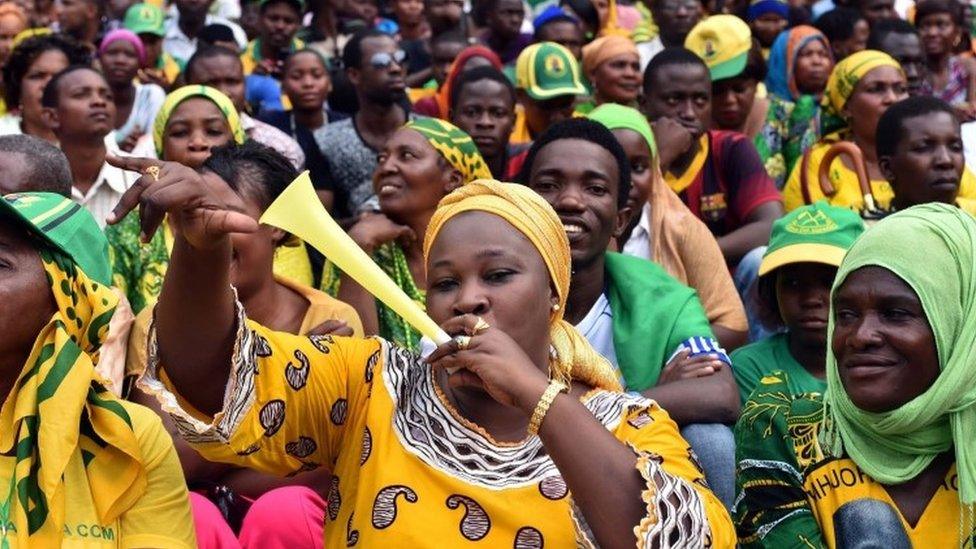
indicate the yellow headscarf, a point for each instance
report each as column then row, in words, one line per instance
column 175, row 98
column 57, row 392
column 532, row 216
column 848, row 72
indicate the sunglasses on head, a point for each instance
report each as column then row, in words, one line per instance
column 383, row 60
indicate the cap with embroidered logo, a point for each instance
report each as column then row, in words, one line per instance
column 144, row 19
column 818, row 233
column 547, row 70
column 723, row 42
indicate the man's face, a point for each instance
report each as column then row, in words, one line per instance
column 154, row 48
column 85, row 106
column 74, row 15
column 907, row 50
column 279, row 22
column 409, row 12
column 542, row 113
column 928, row 162
column 505, row 20
column 877, row 10
column 682, row 92
column 676, row 18
column 486, row 112
column 442, row 54
column 222, row 72
column 194, row 10
column 444, row 15
column 380, row 77
column 565, row 33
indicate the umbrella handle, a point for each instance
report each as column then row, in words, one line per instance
column 856, row 158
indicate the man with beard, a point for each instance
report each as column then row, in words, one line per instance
column 182, row 31
column 82, row 20
column 375, row 66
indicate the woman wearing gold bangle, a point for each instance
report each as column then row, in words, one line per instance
column 409, row 443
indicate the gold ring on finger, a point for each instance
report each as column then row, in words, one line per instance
column 481, row 325
column 153, row 171
column 462, row 342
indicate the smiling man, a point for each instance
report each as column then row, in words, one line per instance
column 79, row 109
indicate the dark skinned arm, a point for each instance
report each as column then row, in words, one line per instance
column 712, row 398
column 753, row 233
column 729, row 339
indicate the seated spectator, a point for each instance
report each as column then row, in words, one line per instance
column 217, row 35
column 444, row 49
column 766, row 19
column 612, row 66
column 875, row 11
column 86, row 460
column 920, row 153
column 881, row 458
column 81, row 20
column 160, row 68
column 183, row 30
column 442, row 17
column 845, row 29
column 438, row 104
column 504, row 29
column 30, row 164
column 556, row 25
column 718, row 175
column 547, row 83
column 950, row 77
column 900, row 40
column 674, row 20
column 581, row 170
column 13, row 21
column 409, row 15
column 278, row 23
column 484, row 107
column 667, row 233
column 795, row 277
column 136, row 105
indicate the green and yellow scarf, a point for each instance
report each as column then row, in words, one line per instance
column 175, row 98
column 454, row 145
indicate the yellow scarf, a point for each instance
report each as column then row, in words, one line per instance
column 58, row 406
column 532, row 216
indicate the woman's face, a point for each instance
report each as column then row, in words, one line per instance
column 10, row 26
column 480, row 264
column 640, row 158
column 856, row 42
column 618, row 79
column 120, row 63
column 193, row 130
column 26, row 297
column 939, row 34
column 306, row 82
column 40, row 72
column 885, row 348
column 732, row 100
column 874, row 93
column 812, row 68
column 411, row 176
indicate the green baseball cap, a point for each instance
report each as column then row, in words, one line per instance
column 65, row 225
column 818, row 233
column 546, row 70
column 144, row 19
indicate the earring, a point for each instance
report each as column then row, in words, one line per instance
column 555, row 307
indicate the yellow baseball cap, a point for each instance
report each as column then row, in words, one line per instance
column 546, row 70
column 723, row 42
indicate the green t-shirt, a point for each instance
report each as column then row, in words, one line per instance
column 757, row 360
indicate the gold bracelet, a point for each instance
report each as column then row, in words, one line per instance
column 554, row 388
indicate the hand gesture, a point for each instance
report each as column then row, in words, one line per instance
column 683, row 366
column 189, row 198
column 672, row 139
column 375, row 229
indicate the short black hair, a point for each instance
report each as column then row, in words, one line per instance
column 51, row 95
column 585, row 10
column 23, row 56
column 931, row 7
column 293, row 3
column 891, row 125
column 838, row 23
column 453, row 36
column 477, row 74
column 325, row 64
column 586, row 130
column 253, row 170
column 46, row 167
column 352, row 53
column 881, row 29
column 676, row 55
column 216, row 32
column 209, row 52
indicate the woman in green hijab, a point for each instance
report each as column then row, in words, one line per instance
column 887, row 454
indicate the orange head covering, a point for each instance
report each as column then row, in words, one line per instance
column 605, row 48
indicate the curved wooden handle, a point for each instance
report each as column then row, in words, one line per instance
column 854, row 156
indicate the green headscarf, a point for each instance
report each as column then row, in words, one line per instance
column 177, row 97
column 454, row 145
column 619, row 117
column 894, row 447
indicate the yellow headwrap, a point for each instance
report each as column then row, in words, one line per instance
column 532, row 216
column 58, row 406
column 848, row 72
column 605, row 48
column 175, row 98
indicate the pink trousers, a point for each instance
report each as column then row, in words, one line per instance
column 284, row 518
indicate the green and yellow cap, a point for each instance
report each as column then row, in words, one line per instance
column 723, row 42
column 546, row 70
column 66, row 226
column 818, row 233
column 144, row 19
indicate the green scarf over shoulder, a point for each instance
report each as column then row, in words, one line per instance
column 896, row 446
column 652, row 314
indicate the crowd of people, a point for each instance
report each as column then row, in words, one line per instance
column 708, row 270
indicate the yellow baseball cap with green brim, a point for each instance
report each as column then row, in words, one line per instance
column 547, row 70
column 64, row 225
column 144, row 19
column 818, row 233
column 723, row 42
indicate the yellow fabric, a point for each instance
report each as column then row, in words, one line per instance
column 416, row 94
column 681, row 182
column 349, row 415
column 534, row 217
column 846, row 74
column 160, row 517
column 841, row 481
column 292, row 262
column 848, row 193
column 605, row 48
column 57, row 390
column 520, row 129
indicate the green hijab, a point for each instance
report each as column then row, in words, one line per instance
column 894, row 447
column 619, row 117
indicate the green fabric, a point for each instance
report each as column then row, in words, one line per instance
column 616, row 117
column 757, row 360
column 652, row 314
column 145, row 19
column 788, row 131
column 66, row 225
column 137, row 269
column 932, row 248
column 457, row 147
column 801, row 235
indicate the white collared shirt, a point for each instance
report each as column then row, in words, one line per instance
column 102, row 197
column 639, row 243
column 182, row 47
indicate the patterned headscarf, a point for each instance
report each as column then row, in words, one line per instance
column 58, row 406
column 846, row 74
column 454, row 145
column 175, row 98
column 532, row 216
column 781, row 78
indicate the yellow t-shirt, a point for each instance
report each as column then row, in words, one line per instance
column 160, row 518
column 848, row 191
column 408, row 470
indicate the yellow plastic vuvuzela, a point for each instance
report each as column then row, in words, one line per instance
column 299, row 211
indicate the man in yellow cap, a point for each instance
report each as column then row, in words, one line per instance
column 547, row 82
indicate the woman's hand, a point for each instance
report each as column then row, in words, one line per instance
column 683, row 366
column 375, row 229
column 189, row 198
column 491, row 361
